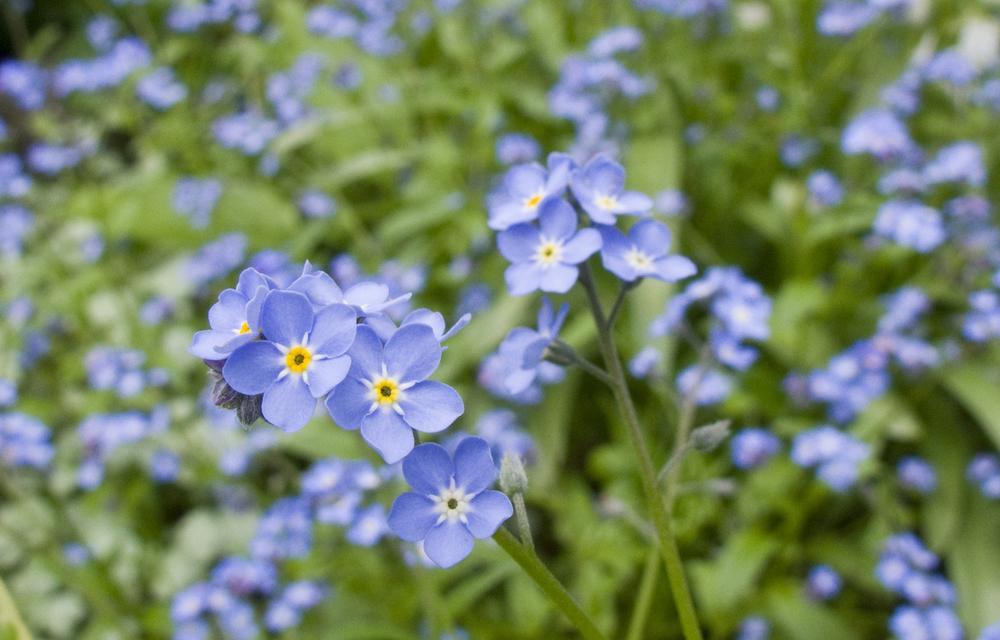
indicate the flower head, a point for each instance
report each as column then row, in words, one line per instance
column 451, row 504
column 599, row 186
column 525, row 188
column 644, row 252
column 234, row 319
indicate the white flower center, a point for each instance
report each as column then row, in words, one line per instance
column 452, row 504
column 639, row 260
column 549, row 252
column 607, row 202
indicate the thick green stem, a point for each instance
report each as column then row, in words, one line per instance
column 647, row 473
column 10, row 617
column 548, row 583
column 647, row 587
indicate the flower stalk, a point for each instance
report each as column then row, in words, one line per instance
column 10, row 617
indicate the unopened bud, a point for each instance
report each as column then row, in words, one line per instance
column 710, row 436
column 248, row 409
column 513, row 479
column 560, row 353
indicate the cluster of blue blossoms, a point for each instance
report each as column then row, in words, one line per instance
column 910, row 570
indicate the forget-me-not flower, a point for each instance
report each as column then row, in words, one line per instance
column 599, row 186
column 525, row 188
column 234, row 319
column 643, row 253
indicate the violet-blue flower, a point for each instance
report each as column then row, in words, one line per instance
column 451, row 504
column 301, row 358
column 525, row 188
column 599, row 186
column 234, row 319
column 387, row 394
column 545, row 258
column 644, row 252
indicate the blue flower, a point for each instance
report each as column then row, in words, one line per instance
column 235, row 318
column 752, row 448
column 835, row 454
column 387, row 394
column 451, row 504
column 643, row 253
column 911, row 224
column 525, row 188
column 546, row 257
column 316, row 204
column 301, row 358
column 823, row 582
column 161, row 89
column 523, row 349
column 824, row 189
column 599, row 186
column 917, row 474
column 877, row 132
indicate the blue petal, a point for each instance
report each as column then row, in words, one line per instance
column 412, row 516
column 412, row 354
column 253, row 310
column 251, row 280
column 557, row 219
column 324, row 375
column 349, row 404
column 428, row 469
column 253, row 368
column 288, row 404
column 518, row 243
column 448, row 543
column 366, row 295
column 204, row 343
column 490, row 509
column 558, row 278
column 633, row 202
column 286, row 317
column 431, row 406
column 333, row 330
column 386, row 432
column 366, row 354
column 318, row 287
column 432, row 319
column 474, row 469
column 523, row 278
column 525, row 180
column 229, row 312
column 604, row 176
column 583, row 245
column 674, row 268
column 652, row 237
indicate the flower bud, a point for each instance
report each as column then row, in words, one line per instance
column 710, row 436
column 513, row 479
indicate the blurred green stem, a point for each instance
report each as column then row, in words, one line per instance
column 523, row 525
column 647, row 473
column 548, row 583
column 10, row 617
column 671, row 472
column 647, row 587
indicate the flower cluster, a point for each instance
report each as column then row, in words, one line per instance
column 101, row 434
column 121, row 371
column 909, row 569
column 835, row 454
column 24, row 441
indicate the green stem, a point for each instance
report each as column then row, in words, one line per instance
column 647, row 587
column 647, row 473
column 523, row 525
column 689, row 404
column 583, row 363
column 10, row 617
column 548, row 583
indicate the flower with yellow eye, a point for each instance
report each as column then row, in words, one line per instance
column 234, row 319
column 599, row 187
column 546, row 257
column 525, row 188
column 301, row 357
column 386, row 394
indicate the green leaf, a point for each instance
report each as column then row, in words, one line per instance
column 975, row 386
column 730, row 577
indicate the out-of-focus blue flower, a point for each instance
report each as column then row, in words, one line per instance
column 825, row 189
column 823, row 582
column 14, row 182
column 903, row 309
column 195, row 199
column 8, row 393
column 525, row 188
column 911, row 224
column 76, row 554
column 517, row 148
column 451, row 504
column 796, row 150
column 161, row 89
column 51, row 159
column 285, row 611
column 235, row 319
column 982, row 322
column 684, row 9
column 614, row 41
column 155, row 310
column 751, row 448
column 316, row 204
column 101, row 32
column 916, row 474
column 101, row 434
column 216, row 259
column 119, row 370
column 368, row 527
column 671, row 202
column 877, row 132
column 599, row 187
column 646, row 363
column 16, row 223
column 908, row 568
column 835, row 454
column 300, row 359
column 387, row 394
column 25, row 82
column 248, row 132
column 984, row 472
column 350, row 76
column 951, row 67
column 768, row 99
column 288, row 90
column 164, row 466
column 284, row 531
column 501, row 430
column 643, row 253
column 991, row 632
column 24, row 441
column 843, row 18
column 957, row 163
column 709, row 386
column 110, row 69
column 753, row 628
column 545, row 258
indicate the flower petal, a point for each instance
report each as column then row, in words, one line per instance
column 204, row 343
column 333, row 330
column 431, row 406
column 349, row 404
column 674, row 268
column 633, row 202
column 428, row 469
column 448, row 543
column 474, row 469
column 319, row 287
column 412, row 516
column 652, row 237
column 518, row 243
column 490, row 509
column 557, row 219
column 366, row 354
column 288, row 404
column 584, row 244
column 286, row 317
column 253, row 368
column 559, row 278
column 324, row 375
column 604, row 176
column 412, row 353
column 525, row 180
column 523, row 278
column 386, row 432
column 229, row 312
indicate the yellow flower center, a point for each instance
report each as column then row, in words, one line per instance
column 548, row 253
column 607, row 202
column 244, row 328
column 533, row 201
column 386, row 391
column 297, row 359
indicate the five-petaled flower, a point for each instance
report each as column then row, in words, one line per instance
column 525, row 188
column 300, row 359
column 451, row 504
column 599, row 187
column 386, row 393
column 643, row 253
column 546, row 257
